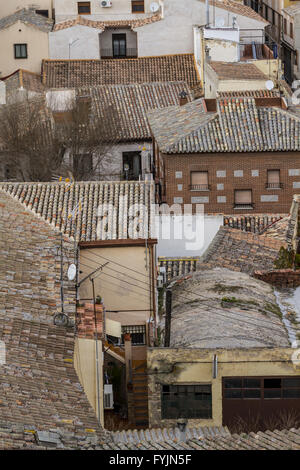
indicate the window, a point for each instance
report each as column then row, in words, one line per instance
column 82, row 164
column 199, row 181
column 43, row 13
column 267, row 388
column 20, row 51
column 137, row 332
column 132, row 165
column 84, row 8
column 243, row 199
column 186, row 401
column 137, row 6
column 291, row 30
column 119, row 45
column 273, row 181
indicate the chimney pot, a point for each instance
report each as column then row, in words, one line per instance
column 183, row 98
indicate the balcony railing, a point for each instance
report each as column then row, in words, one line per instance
column 274, row 185
column 109, row 54
column 245, row 205
column 199, row 187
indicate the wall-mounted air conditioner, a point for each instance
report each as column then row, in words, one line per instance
column 106, row 3
column 108, row 397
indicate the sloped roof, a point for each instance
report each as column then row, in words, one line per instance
column 247, row 321
column 26, row 79
column 80, row 73
column 28, row 17
column 238, row 8
column 132, row 102
column 133, row 23
column 39, row 387
column 237, row 126
column 237, row 71
column 249, row 93
column 74, row 209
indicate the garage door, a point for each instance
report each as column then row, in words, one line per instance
column 260, row 401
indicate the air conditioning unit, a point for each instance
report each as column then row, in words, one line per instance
column 160, row 282
column 106, row 3
column 108, row 397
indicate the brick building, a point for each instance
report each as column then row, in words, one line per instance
column 232, row 155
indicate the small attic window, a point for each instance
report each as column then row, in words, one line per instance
column 20, row 51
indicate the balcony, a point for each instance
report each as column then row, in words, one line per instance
column 244, row 206
column 130, row 53
column 199, row 187
column 274, row 185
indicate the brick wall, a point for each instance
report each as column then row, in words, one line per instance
column 85, row 321
column 220, row 198
column 279, row 277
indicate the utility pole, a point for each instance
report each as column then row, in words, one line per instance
column 168, row 318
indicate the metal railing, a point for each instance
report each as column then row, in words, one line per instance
column 274, row 185
column 199, row 187
column 109, row 54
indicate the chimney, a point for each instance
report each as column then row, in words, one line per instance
column 183, row 99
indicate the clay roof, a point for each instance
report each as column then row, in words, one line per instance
column 237, row 71
column 28, row 17
column 26, row 79
column 249, row 93
column 39, row 387
column 79, row 73
column 59, row 204
column 237, row 126
column 132, row 102
column 247, row 320
column 133, row 23
column 238, row 8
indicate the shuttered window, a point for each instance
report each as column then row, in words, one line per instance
column 243, row 196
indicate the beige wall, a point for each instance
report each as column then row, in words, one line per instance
column 85, row 366
column 120, row 9
column 37, row 47
column 194, row 366
column 10, row 6
column 120, row 287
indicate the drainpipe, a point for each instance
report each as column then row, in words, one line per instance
column 207, row 13
column 168, row 318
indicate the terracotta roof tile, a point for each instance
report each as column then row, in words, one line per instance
column 237, row 71
column 58, row 205
column 237, row 126
column 238, row 8
column 134, row 23
column 27, row 16
column 79, row 73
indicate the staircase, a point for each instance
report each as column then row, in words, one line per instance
column 140, row 394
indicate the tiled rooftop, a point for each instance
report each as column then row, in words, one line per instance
column 249, row 93
column 130, row 104
column 29, row 17
column 55, row 202
column 237, row 71
column 238, row 8
column 202, row 319
column 39, row 388
column 80, row 73
column 80, row 20
column 237, row 126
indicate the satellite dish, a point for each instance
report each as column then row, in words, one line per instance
column 154, row 7
column 220, row 22
column 72, row 272
column 269, row 85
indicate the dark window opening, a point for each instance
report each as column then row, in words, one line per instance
column 119, row 45
column 138, row 6
column 132, row 168
column 43, row 13
column 20, row 51
column 137, row 333
column 262, row 388
column 84, row 8
column 186, row 401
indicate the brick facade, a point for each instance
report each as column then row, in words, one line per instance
column 228, row 172
column 85, row 321
column 280, row 277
